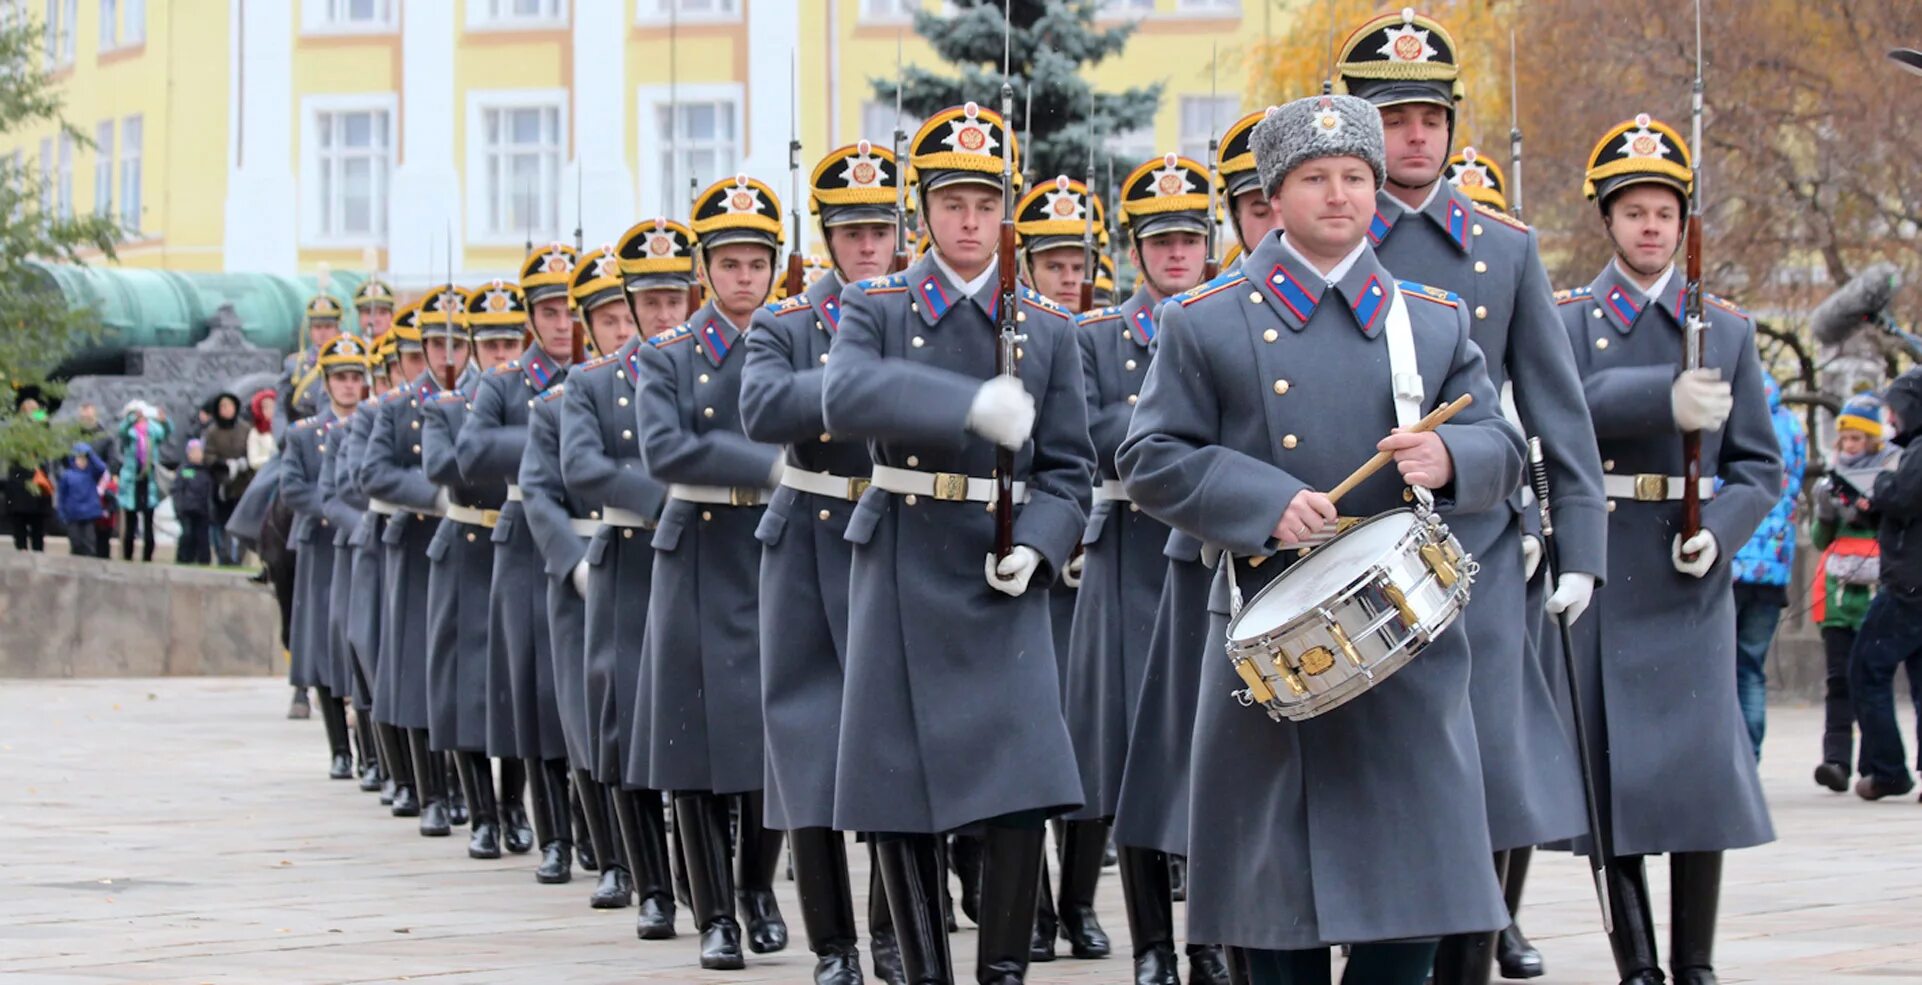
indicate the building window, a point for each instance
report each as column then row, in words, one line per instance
column 133, row 21
column 109, row 26
column 661, row 10
column 1130, row 148
column 889, row 10
column 64, row 190
column 1126, row 8
column 103, row 169
column 69, row 22
column 699, row 141
column 1203, row 117
column 45, row 177
column 347, row 16
column 516, row 153
column 351, row 161
column 130, row 174
column 1215, row 7
column 877, row 124
column 516, row 13
column 57, row 32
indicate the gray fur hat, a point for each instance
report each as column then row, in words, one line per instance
column 1319, row 126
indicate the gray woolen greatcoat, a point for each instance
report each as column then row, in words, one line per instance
column 343, row 503
column 364, row 570
column 805, row 555
column 489, row 448
column 699, row 705
column 1368, row 822
column 309, row 639
column 391, row 471
column 468, row 693
column 1152, row 805
column 1529, row 766
column 1657, row 650
column 1123, row 567
column 952, row 711
column 548, row 508
column 601, row 465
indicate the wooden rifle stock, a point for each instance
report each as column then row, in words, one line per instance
column 1004, row 365
column 1693, row 330
column 796, row 280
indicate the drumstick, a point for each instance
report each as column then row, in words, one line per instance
column 1435, row 419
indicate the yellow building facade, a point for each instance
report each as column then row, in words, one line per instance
column 418, row 136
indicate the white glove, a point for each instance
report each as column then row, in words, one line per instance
column 1702, row 545
column 1010, row 575
column 774, row 474
column 1531, row 556
column 1071, row 575
column 441, row 500
column 1573, row 591
column 1002, row 412
column 578, row 577
column 1700, row 400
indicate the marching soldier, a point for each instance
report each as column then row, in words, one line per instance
column 1166, row 203
column 400, row 694
column 1425, row 230
column 601, row 467
column 301, row 392
column 699, row 706
column 394, row 478
column 365, row 598
column 342, row 367
column 1659, row 656
column 374, row 308
column 804, row 564
column 1231, row 441
column 346, row 504
column 1248, row 209
column 523, row 719
column 952, row 712
column 1479, row 178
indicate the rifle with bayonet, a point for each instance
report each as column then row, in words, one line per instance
column 1694, row 318
column 1007, row 312
column 796, row 279
column 903, row 251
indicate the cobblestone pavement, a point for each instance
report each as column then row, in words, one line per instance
column 181, row 830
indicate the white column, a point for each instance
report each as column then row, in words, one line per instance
column 602, row 115
column 260, row 227
column 424, row 198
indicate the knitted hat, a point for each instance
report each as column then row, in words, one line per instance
column 1316, row 127
column 1863, row 413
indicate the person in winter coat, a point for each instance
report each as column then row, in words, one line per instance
column 25, row 495
column 1762, row 569
column 1891, row 630
column 101, row 440
column 143, row 431
column 194, row 494
column 77, row 498
column 226, row 457
column 260, row 439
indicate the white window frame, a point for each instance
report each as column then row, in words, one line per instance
column 1130, row 148
column 1116, row 10
column 1225, row 114
column 479, row 103
column 133, row 22
column 317, row 17
column 895, row 12
column 313, row 209
column 652, row 13
column 63, row 188
column 481, row 16
column 649, row 101
column 130, row 155
column 1208, row 8
column 109, row 25
column 45, row 176
column 103, row 169
column 884, row 110
column 69, row 20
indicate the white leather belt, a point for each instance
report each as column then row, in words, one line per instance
column 947, row 487
column 1651, row 488
column 824, row 483
column 584, row 528
column 614, row 516
column 718, row 495
column 384, row 508
column 1110, row 490
column 513, row 493
column 471, row 516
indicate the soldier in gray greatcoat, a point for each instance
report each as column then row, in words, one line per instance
column 383, row 516
column 346, row 505
column 364, row 583
column 342, row 365
column 1166, row 203
column 805, row 558
column 393, row 475
column 523, row 719
column 1658, row 660
column 1367, row 824
column 699, row 704
column 1425, row 230
column 301, row 392
column 952, row 712
column 645, row 281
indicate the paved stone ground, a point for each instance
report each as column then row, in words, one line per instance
column 180, row 830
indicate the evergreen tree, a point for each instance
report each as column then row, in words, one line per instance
column 1050, row 42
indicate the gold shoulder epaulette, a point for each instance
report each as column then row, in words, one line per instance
column 553, row 392
column 799, row 302
column 1043, row 302
column 1411, row 289
column 1724, row 304
column 510, row 366
column 1098, row 315
column 679, row 333
column 600, row 360
column 889, row 284
column 1500, row 216
column 1573, row 295
column 1213, row 287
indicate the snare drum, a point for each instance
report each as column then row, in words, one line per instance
column 1348, row 615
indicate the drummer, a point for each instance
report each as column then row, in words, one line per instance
column 1365, row 825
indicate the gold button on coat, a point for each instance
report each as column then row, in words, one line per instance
column 1254, row 297
column 1608, row 465
column 707, row 412
column 1281, row 387
column 626, row 434
column 1477, row 229
column 1481, row 266
column 470, row 536
column 621, row 402
column 627, row 533
column 707, row 515
column 1132, row 398
column 1129, row 365
column 824, row 359
column 917, row 342
column 914, row 461
column 1289, row 441
column 909, row 499
column 416, row 449
column 1270, row 335
column 703, row 377
column 825, row 514
column 826, row 437
column 1481, row 311
column 1601, row 343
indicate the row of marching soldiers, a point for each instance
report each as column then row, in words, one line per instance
column 737, row 565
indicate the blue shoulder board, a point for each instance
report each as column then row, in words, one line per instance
column 1427, row 293
column 1043, row 302
column 1221, row 283
column 1724, row 304
column 799, row 302
column 510, row 366
column 598, row 361
column 679, row 333
column 553, row 392
column 449, row 396
column 1110, row 313
column 889, row 284
column 1573, row 295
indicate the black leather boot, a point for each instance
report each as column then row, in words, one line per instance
column 911, row 872
column 430, row 784
column 1469, row 959
column 882, row 949
column 1633, row 941
column 400, row 766
column 1514, row 955
column 758, row 856
column 586, row 853
column 1207, row 965
column 553, row 825
column 643, row 844
column 827, row 904
column 517, row 830
column 615, row 888
column 477, row 775
column 1010, row 875
column 1237, row 962
column 701, row 818
column 1695, row 893
column 333, row 714
column 964, row 857
column 1047, row 923
column 1082, row 848
column 456, row 794
column 1151, row 915
column 368, row 759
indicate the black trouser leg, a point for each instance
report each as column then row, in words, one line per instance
column 333, row 714
column 1010, row 875
column 537, row 806
column 483, row 811
column 1633, row 941
column 456, row 793
column 701, row 818
column 1083, row 844
column 373, row 765
column 430, row 784
column 1047, row 923
column 1695, row 892
column 1388, row 963
column 400, row 765
column 594, row 808
column 553, row 820
column 1838, row 711
column 1149, row 900
column 827, row 904
column 1514, row 954
column 758, row 858
column 912, row 874
column 517, row 831
column 882, row 948
column 583, row 845
column 965, row 859
column 1469, row 959
column 643, row 840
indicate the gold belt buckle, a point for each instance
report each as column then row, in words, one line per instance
column 489, row 518
column 743, row 496
column 950, row 487
column 1651, row 488
column 856, row 487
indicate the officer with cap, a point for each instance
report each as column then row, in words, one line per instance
column 952, row 715
column 374, row 308
column 342, row 365
column 601, row 467
column 1659, row 657
column 703, row 633
column 1166, row 204
column 1479, row 178
column 301, row 392
column 804, row 562
column 1426, row 230
column 1248, row 209
column 344, row 502
column 1052, row 226
column 399, row 681
column 523, row 719
column 1267, row 387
